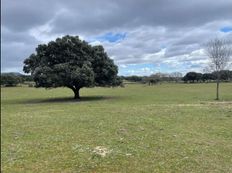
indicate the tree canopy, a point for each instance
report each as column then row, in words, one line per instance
column 73, row 63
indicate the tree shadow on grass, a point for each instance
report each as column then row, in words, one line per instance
column 65, row 100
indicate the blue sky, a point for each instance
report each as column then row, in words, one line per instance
column 111, row 37
column 226, row 29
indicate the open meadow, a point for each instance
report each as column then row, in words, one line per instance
column 138, row 128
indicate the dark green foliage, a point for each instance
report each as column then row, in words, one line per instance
column 190, row 76
column 152, row 81
column 206, row 77
column 155, row 78
column 10, row 79
column 133, row 78
column 225, row 75
column 198, row 76
column 73, row 63
column 27, row 78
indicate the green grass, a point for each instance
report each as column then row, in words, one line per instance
column 162, row 128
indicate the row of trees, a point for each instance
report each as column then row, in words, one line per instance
column 155, row 78
column 13, row 79
column 192, row 77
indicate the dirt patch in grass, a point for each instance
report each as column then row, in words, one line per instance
column 101, row 151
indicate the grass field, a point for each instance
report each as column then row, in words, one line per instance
column 139, row 128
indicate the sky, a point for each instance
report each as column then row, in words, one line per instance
column 143, row 37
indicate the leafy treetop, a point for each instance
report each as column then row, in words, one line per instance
column 73, row 63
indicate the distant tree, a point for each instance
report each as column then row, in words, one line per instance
column 185, row 79
column 190, row 76
column 230, row 78
column 153, row 81
column 73, row 63
column 219, row 53
column 198, row 76
column 225, row 75
column 133, row 78
column 10, row 80
column 207, row 77
column 154, row 78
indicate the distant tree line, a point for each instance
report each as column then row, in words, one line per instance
column 13, row 79
column 193, row 77
column 155, row 78
column 190, row 77
column 133, row 78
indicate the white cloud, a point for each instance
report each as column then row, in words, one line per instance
column 175, row 38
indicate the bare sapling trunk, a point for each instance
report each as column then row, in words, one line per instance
column 217, row 95
column 218, row 83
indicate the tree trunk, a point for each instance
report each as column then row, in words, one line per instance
column 75, row 91
column 218, row 81
column 217, row 96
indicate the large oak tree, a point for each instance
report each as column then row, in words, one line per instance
column 73, row 63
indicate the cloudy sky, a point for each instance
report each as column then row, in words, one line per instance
column 142, row 36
